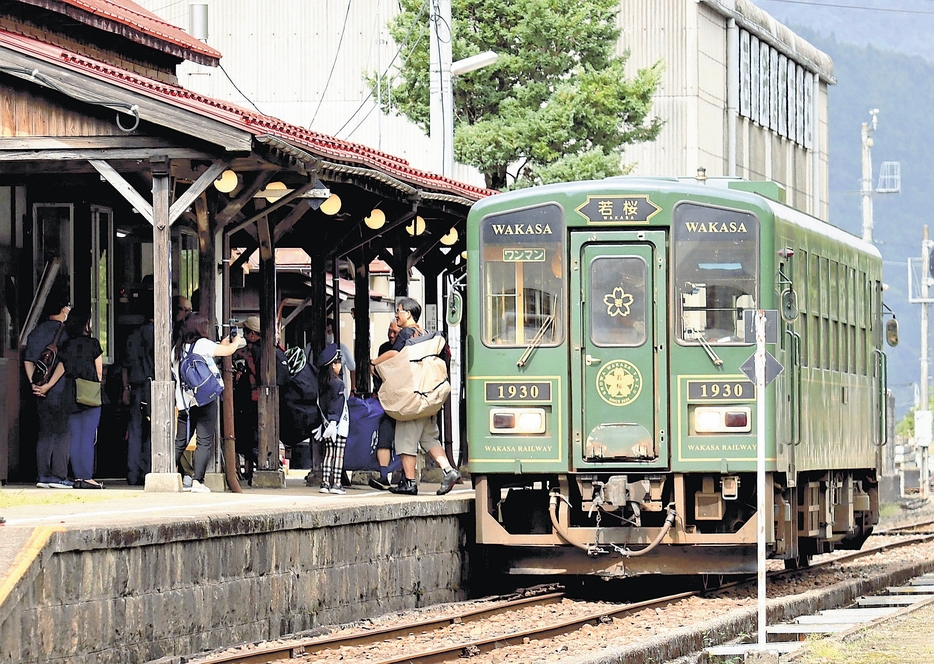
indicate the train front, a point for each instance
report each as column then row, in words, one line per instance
column 609, row 425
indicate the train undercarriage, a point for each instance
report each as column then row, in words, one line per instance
column 617, row 525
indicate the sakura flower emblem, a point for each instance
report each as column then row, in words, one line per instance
column 618, row 302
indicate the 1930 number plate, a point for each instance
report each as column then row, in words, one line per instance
column 518, row 391
column 721, row 390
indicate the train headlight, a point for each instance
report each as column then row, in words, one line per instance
column 517, row 420
column 722, row 419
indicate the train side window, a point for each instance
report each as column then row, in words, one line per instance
column 716, row 272
column 522, row 276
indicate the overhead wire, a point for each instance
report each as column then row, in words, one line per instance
column 242, row 94
column 399, row 50
column 810, row 3
column 337, row 53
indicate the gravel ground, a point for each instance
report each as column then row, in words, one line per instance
column 613, row 633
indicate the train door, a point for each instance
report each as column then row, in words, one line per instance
column 621, row 332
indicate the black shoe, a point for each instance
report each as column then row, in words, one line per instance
column 379, row 483
column 448, row 481
column 405, row 486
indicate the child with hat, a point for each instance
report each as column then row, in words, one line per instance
column 334, row 409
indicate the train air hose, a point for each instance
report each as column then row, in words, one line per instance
column 595, row 550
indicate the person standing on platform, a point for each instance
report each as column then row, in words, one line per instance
column 194, row 338
column 333, row 406
column 349, row 372
column 422, row 431
column 139, row 371
column 387, row 425
column 82, row 357
column 52, row 443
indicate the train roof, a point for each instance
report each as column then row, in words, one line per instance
column 763, row 194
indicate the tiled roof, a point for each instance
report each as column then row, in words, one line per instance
column 320, row 145
column 133, row 21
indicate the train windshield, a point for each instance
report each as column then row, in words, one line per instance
column 523, row 292
column 716, row 272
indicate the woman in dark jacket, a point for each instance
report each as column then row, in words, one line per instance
column 82, row 357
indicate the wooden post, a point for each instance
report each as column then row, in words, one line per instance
column 361, row 348
column 231, row 460
column 164, row 476
column 207, row 269
column 268, row 473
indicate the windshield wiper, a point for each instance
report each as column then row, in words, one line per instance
column 711, row 353
column 536, row 341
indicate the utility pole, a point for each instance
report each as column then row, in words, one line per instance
column 441, row 106
column 866, row 185
column 923, row 438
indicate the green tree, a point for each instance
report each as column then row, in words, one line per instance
column 556, row 106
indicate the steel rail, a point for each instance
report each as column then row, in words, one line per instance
column 304, row 647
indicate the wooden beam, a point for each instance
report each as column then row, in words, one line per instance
column 430, row 243
column 67, row 143
column 9, row 156
column 126, row 190
column 225, row 216
column 285, row 200
column 297, row 214
column 196, row 189
column 164, row 112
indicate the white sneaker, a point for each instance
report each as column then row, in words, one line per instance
column 186, row 483
column 198, row 487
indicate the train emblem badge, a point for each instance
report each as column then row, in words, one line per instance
column 619, row 382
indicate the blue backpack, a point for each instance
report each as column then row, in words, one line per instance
column 196, row 377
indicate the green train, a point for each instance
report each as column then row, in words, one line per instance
column 611, row 429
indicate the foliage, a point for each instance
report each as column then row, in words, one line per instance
column 556, row 105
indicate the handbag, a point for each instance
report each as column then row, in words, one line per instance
column 87, row 392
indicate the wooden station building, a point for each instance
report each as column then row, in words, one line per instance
column 111, row 172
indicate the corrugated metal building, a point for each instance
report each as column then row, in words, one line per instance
column 741, row 95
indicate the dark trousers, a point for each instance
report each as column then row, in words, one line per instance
column 203, row 421
column 52, row 447
column 83, row 425
column 138, row 440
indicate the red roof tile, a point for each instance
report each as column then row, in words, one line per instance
column 320, row 145
column 138, row 21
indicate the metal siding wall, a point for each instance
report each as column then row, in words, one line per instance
column 654, row 31
column 280, row 56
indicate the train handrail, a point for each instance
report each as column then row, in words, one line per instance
column 882, row 368
column 795, row 387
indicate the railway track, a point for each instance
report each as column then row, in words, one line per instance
column 453, row 647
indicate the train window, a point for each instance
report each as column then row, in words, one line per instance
column 523, row 292
column 618, row 300
column 716, row 272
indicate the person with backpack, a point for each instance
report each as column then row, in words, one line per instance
column 335, row 420
column 198, row 385
column 423, row 430
column 138, row 372
column 44, row 371
column 82, row 357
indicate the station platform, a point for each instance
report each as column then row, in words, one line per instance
column 902, row 638
column 126, row 575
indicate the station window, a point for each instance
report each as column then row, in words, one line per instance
column 522, row 266
column 716, row 272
